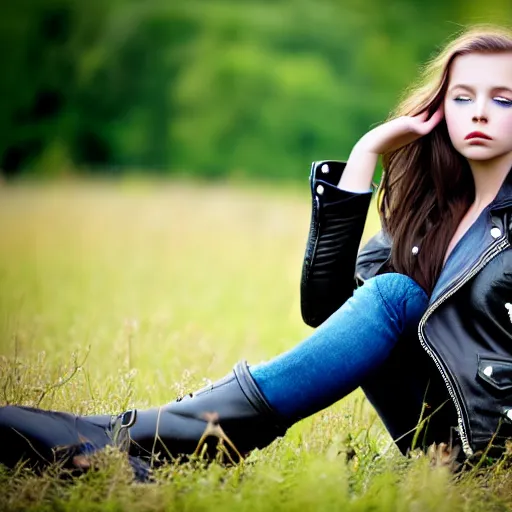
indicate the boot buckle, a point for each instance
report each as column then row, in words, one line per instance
column 120, row 426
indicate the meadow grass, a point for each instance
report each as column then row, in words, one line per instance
column 126, row 294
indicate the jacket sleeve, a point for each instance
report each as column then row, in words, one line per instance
column 337, row 224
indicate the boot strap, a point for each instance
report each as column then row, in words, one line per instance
column 119, row 428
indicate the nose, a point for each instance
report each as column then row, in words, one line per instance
column 480, row 115
column 480, row 119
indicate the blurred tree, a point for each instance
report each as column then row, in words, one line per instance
column 218, row 88
column 49, row 45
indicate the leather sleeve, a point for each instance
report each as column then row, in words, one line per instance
column 337, row 224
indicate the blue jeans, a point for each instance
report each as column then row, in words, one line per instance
column 372, row 342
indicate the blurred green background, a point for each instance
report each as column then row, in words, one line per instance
column 214, row 88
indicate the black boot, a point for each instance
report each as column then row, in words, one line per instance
column 232, row 409
column 41, row 438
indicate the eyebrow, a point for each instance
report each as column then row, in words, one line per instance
column 469, row 88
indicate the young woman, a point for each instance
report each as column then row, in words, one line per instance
column 427, row 333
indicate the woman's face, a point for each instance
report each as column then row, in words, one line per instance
column 478, row 105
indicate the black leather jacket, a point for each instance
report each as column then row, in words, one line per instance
column 466, row 332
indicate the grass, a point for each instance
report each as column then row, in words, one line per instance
column 126, row 294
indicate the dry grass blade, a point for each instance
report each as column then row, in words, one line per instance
column 444, row 455
column 213, row 429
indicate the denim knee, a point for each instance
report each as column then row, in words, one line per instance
column 404, row 299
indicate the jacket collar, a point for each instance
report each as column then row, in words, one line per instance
column 503, row 198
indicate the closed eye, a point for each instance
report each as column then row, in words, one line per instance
column 505, row 102
column 462, row 99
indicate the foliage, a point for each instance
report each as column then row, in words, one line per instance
column 220, row 88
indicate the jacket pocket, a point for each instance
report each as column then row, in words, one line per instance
column 496, row 371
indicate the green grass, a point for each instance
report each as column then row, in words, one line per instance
column 119, row 295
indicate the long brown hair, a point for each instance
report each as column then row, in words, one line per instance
column 427, row 186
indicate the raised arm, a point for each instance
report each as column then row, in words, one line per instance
column 341, row 197
column 337, row 222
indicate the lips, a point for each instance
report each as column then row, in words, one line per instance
column 477, row 135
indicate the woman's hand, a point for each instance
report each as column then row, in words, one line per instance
column 399, row 132
column 390, row 136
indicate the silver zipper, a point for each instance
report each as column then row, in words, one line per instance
column 500, row 245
